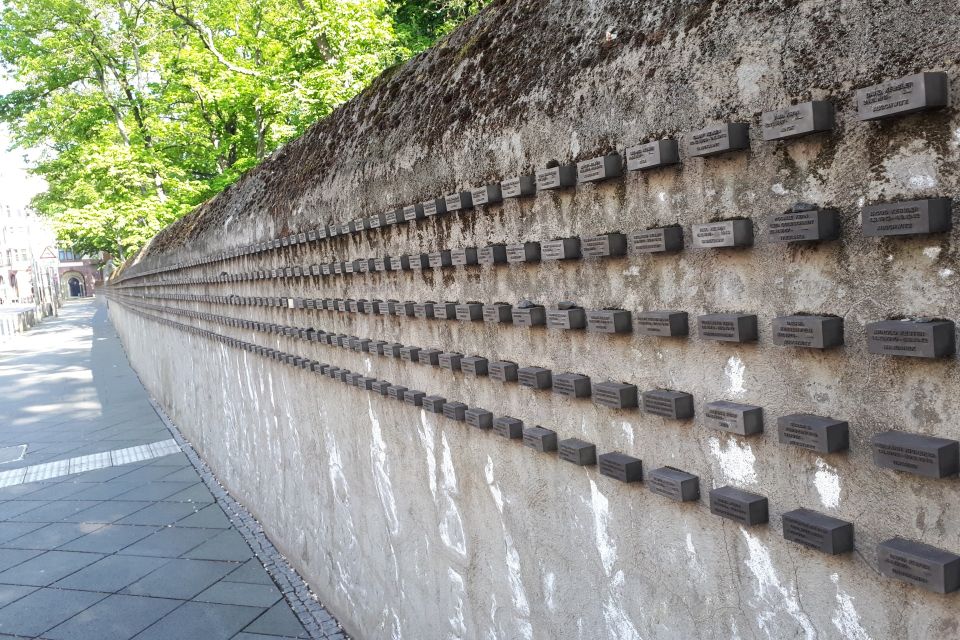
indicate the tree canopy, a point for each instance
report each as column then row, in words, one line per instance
column 143, row 109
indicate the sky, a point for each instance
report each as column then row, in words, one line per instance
column 16, row 186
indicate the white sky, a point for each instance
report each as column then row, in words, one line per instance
column 16, row 186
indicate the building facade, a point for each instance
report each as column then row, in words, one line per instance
column 28, row 262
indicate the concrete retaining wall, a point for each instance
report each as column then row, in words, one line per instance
column 410, row 525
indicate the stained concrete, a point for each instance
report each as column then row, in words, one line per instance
column 410, row 525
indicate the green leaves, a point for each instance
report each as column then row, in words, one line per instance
column 143, row 109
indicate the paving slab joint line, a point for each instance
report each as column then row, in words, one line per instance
column 303, row 602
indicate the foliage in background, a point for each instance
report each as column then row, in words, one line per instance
column 142, row 109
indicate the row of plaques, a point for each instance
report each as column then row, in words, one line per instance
column 910, row 561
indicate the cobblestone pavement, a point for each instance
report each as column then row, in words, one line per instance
column 110, row 526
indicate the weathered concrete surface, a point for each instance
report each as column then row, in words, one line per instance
column 412, row 526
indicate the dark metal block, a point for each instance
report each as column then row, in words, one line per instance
column 523, row 252
column 535, row 377
column 492, row 254
column 673, row 405
column 728, row 327
column 423, row 310
column 932, row 215
column 392, row 349
column 920, row 338
column 377, row 220
column 560, row 249
column 566, row 319
column 463, row 256
column 531, row 316
column 919, row 564
column 661, row 240
column 572, row 385
column 556, row 177
column 393, row 217
column 499, row 312
column 726, row 233
column 406, row 308
column 450, row 361
column 474, row 365
column 413, row 212
column 718, row 138
column 616, row 395
column 381, row 386
column 382, row 264
column 797, row 120
column 434, row 404
column 435, row 207
column 816, row 433
column 429, row 356
column 396, row 392
column 602, row 168
column 921, row 455
column 667, row 324
column 479, row 418
column 909, row 94
column 606, row 245
column 469, row 312
column 674, row 484
column 519, row 186
column 579, row 452
column 488, row 194
column 398, row 263
column 733, row 417
column 818, row 531
column 445, row 310
column 455, row 411
column 543, row 440
column 508, row 427
column 410, row 353
column 743, row 507
column 458, row 201
column 803, row 224
column 413, row 397
column 503, row 371
column 609, row 321
column 418, row 261
column 621, row 467
column 812, row 332
column 439, row 259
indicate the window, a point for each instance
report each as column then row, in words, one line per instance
column 67, row 254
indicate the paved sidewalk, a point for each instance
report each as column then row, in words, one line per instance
column 106, row 529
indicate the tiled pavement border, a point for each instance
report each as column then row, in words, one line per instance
column 318, row 622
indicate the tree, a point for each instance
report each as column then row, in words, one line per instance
column 143, row 109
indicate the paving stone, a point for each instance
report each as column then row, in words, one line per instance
column 155, row 490
column 279, row 620
column 188, row 474
column 57, row 491
column 44, row 609
column 110, row 538
column 244, row 593
column 181, row 579
column 52, row 536
column 55, row 511
column 109, row 511
column 160, row 513
column 146, row 473
column 13, row 508
column 104, row 490
column 12, row 530
column 211, row 517
column 197, row 493
column 111, row 574
column 201, row 620
column 172, row 542
column 13, row 557
column 250, row 571
column 117, row 617
column 47, row 568
column 11, row 593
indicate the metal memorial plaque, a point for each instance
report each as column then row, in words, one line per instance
column 673, row 405
column 571, row 385
column 414, row 397
column 666, row 324
column 909, row 94
column 579, row 452
column 362, row 344
column 540, row 439
column 815, row 433
column 463, row 256
column 620, row 466
column 392, row 349
column 733, row 417
column 653, row 155
column 435, row 207
column 445, row 311
column 602, row 168
column 479, row 418
column 661, row 240
column 489, row 194
column 606, row 245
column 474, row 365
column 393, row 217
column 366, row 383
column 333, row 372
column 532, row 316
column 811, row 332
column 567, row 319
column 423, row 310
column 803, row 224
column 507, row 427
column 609, row 321
column 376, row 347
column 717, row 139
column 347, row 267
column 914, row 453
column 410, row 353
column 912, row 217
column 919, row 564
column 382, row 264
column 434, row 404
column 818, row 531
column 675, row 484
column 616, row 395
column 398, row 263
column 728, row 327
column 726, row 233
column 353, row 306
column 523, row 252
column 451, row 361
column 499, row 312
column 535, row 377
column 345, row 228
column 406, row 308
column 419, row 261
column 396, row 392
column 518, row 186
column 455, row 411
column 381, row 386
column 438, row 259
column 503, row 371
column 920, row 338
column 560, row 249
column 413, row 212
column 470, row 312
column 458, row 201
column 377, row 220
column 430, row 357
column 311, row 236
column 358, row 225
column 797, row 120
column 557, row 177
column 492, row 254
column 743, row 507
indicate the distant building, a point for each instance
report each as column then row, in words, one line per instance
column 28, row 266
column 80, row 275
